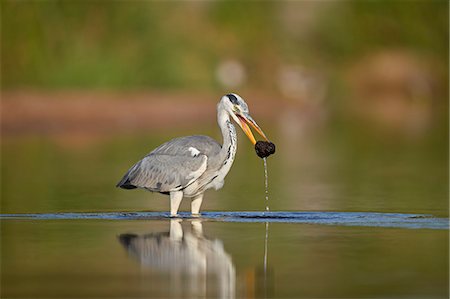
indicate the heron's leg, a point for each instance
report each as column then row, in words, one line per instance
column 175, row 200
column 196, row 204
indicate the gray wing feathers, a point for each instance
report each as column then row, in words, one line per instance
column 180, row 146
column 164, row 173
column 171, row 166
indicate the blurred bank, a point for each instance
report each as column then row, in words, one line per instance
column 382, row 63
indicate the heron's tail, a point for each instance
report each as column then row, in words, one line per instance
column 125, row 183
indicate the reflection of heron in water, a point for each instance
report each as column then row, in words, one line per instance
column 192, row 261
column 187, row 166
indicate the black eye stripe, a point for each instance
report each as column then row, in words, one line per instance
column 233, row 98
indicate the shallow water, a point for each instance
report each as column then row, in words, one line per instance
column 347, row 219
column 135, row 257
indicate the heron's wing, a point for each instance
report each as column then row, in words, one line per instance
column 164, row 173
column 184, row 146
column 173, row 165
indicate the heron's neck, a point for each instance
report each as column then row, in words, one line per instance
column 229, row 136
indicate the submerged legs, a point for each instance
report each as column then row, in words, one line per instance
column 196, row 204
column 175, row 200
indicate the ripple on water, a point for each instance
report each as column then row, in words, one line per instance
column 411, row 221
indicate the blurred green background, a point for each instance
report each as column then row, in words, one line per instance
column 179, row 45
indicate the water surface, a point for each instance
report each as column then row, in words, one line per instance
column 155, row 258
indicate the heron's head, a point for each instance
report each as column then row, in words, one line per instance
column 238, row 109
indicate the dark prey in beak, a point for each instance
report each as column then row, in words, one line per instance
column 264, row 148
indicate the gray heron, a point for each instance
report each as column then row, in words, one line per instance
column 188, row 166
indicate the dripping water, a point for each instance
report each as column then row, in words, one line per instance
column 266, row 182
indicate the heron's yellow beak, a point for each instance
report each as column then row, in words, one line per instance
column 244, row 121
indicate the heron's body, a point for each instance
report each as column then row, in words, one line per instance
column 187, row 166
